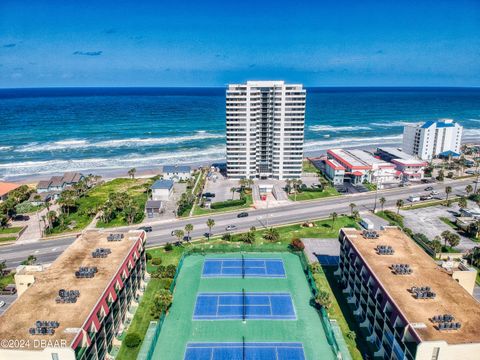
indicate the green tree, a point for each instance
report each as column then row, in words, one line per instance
column 3, row 266
column 248, row 237
column 132, row 340
column 161, row 302
column 468, row 189
column 210, row 225
column 356, row 215
column 323, row 299
column 445, row 235
column 382, row 201
column 448, row 191
column 462, row 202
column 188, row 230
column 436, row 245
column 399, row 204
column 3, row 221
column 453, row 240
column 271, row 234
column 233, row 190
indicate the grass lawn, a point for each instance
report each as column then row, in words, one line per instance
column 310, row 195
column 198, row 188
column 7, row 238
column 308, row 167
column 96, row 197
column 203, row 211
column 384, row 216
column 449, row 222
column 428, row 204
column 11, row 230
column 370, row 186
column 5, row 280
column 142, row 318
column 340, row 311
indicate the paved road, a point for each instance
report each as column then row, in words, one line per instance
column 47, row 251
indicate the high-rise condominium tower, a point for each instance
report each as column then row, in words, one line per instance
column 265, row 124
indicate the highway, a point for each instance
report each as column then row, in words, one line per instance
column 48, row 250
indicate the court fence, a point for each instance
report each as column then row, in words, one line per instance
column 148, row 346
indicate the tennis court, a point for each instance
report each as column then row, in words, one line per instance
column 243, row 267
column 205, row 320
column 247, row 351
column 244, row 306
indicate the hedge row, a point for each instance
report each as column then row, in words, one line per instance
column 228, row 203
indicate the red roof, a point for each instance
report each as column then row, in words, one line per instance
column 357, row 173
column 333, row 166
column 6, row 187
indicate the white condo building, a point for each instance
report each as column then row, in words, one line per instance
column 432, row 138
column 265, row 125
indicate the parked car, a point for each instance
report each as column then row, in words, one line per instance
column 429, row 188
column 2, row 304
column 21, row 218
column 230, row 227
column 187, row 238
column 208, row 195
column 242, row 215
column 145, row 228
column 434, row 193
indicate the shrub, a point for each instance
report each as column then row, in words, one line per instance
column 227, row 237
column 228, row 203
column 148, row 256
column 297, row 244
column 168, row 247
column 323, row 299
column 132, row 340
column 165, row 271
column 156, row 261
column 161, row 302
column 397, row 218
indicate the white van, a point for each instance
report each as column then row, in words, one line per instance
column 414, row 198
column 367, row 224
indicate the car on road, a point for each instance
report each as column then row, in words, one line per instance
column 187, row 238
column 429, row 188
column 145, row 228
column 172, row 233
column 242, row 214
column 230, row 227
column 208, row 195
column 434, row 192
column 2, row 304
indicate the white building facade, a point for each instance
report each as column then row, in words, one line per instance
column 432, row 138
column 265, row 130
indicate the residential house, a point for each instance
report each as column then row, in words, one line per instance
column 162, row 190
column 6, row 188
column 177, row 173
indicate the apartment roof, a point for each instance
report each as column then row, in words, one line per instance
column 38, row 301
column 334, row 164
column 443, row 123
column 56, row 181
column 348, row 158
column 162, row 184
column 72, row 177
column 176, row 169
column 410, row 162
column 451, row 297
column 6, row 187
column 43, row 184
column 395, row 152
column 369, row 158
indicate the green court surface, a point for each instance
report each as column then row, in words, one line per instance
column 179, row 329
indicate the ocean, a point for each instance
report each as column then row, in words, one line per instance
column 46, row 131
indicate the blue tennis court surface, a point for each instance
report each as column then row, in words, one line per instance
column 254, row 306
column 251, row 351
column 215, row 268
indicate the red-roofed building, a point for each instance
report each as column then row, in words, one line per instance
column 6, row 188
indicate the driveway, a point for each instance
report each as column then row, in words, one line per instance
column 427, row 221
column 220, row 186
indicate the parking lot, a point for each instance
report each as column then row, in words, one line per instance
column 325, row 251
column 221, row 187
column 8, row 300
column 427, row 221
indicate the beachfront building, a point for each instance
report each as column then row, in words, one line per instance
column 73, row 309
column 162, row 190
column 177, row 172
column 59, row 183
column 358, row 166
column 407, row 166
column 432, row 138
column 407, row 306
column 265, row 125
column 6, row 188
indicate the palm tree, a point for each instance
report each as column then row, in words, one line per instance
column 132, row 172
column 468, row 189
column 271, row 234
column 253, row 229
column 448, row 190
column 51, row 216
column 382, row 202
column 232, row 190
column 288, row 183
column 334, row 216
column 210, row 225
column 462, row 202
column 454, row 240
column 352, row 207
column 179, row 234
column 356, row 214
column 323, row 299
column 445, row 236
column 188, row 229
column 436, row 245
column 399, row 205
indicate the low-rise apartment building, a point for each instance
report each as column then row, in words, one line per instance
column 408, row 167
column 177, row 172
column 59, row 183
column 162, row 190
column 407, row 306
column 72, row 309
column 358, row 166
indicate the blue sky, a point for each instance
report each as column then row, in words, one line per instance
column 212, row 43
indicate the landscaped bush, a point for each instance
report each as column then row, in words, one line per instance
column 156, row 261
column 165, row 271
column 132, row 340
column 312, row 189
column 297, row 244
column 168, row 247
column 148, row 256
column 228, row 203
column 394, row 217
